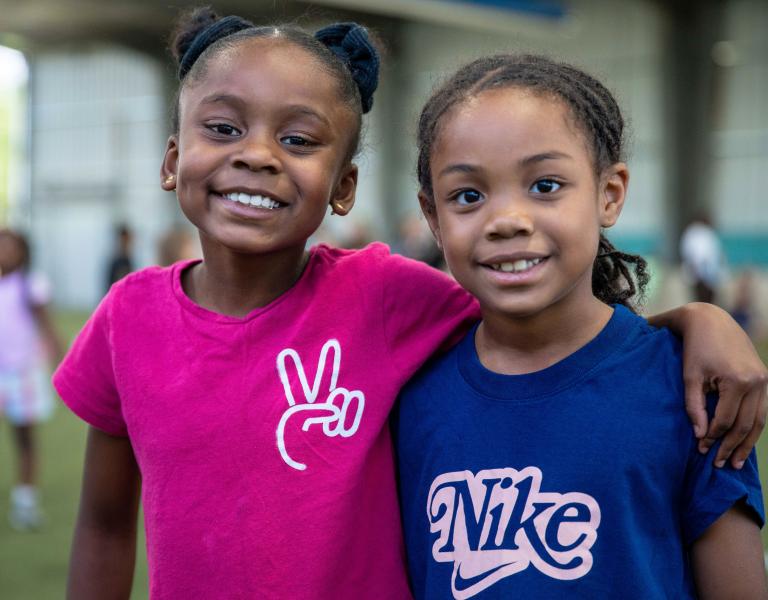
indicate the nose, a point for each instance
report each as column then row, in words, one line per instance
column 509, row 219
column 257, row 153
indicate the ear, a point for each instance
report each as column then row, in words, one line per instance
column 613, row 190
column 169, row 167
column 343, row 198
column 428, row 208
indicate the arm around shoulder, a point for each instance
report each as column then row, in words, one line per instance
column 104, row 544
column 727, row 559
column 718, row 356
column 424, row 309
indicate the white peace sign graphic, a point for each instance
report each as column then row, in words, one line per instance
column 333, row 417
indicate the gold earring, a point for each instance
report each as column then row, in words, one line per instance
column 170, row 179
column 337, row 208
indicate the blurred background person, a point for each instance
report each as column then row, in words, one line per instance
column 177, row 244
column 744, row 309
column 417, row 242
column 703, row 260
column 121, row 262
column 26, row 335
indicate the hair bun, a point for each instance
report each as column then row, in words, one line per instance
column 186, row 28
column 350, row 43
column 207, row 36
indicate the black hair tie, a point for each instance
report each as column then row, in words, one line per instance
column 350, row 43
column 214, row 32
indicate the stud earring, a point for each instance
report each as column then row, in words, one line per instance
column 169, row 180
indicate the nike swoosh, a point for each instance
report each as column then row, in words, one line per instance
column 462, row 584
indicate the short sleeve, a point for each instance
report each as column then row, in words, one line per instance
column 424, row 311
column 709, row 492
column 85, row 379
column 39, row 289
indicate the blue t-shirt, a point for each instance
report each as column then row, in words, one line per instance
column 579, row 481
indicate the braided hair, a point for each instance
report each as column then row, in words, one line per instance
column 617, row 277
column 344, row 50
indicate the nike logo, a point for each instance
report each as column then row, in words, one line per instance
column 461, row 584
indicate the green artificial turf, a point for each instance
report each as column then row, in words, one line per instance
column 34, row 565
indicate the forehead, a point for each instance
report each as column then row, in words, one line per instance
column 510, row 121
column 265, row 68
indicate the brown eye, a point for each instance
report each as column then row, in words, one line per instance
column 295, row 140
column 466, row 197
column 545, row 186
column 223, row 129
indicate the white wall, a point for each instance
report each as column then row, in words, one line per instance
column 740, row 136
column 98, row 134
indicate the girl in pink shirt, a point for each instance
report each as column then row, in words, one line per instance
column 27, row 341
column 245, row 397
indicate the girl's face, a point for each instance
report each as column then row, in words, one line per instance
column 262, row 148
column 518, row 208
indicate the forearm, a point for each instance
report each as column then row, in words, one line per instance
column 677, row 318
column 719, row 357
column 104, row 545
column 727, row 560
column 47, row 329
column 102, row 563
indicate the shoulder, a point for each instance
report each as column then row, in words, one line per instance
column 641, row 336
column 142, row 287
column 659, row 339
column 376, row 259
column 439, row 373
column 374, row 255
column 151, row 276
column 648, row 360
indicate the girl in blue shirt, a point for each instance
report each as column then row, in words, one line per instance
column 525, row 467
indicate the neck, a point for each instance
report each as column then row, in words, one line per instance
column 518, row 345
column 234, row 284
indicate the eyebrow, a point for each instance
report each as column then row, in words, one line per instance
column 458, row 168
column 307, row 111
column 523, row 162
column 222, row 99
column 536, row 158
column 232, row 100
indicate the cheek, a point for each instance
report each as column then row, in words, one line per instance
column 582, row 222
column 457, row 237
column 193, row 166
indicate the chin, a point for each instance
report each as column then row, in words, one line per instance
column 522, row 312
column 518, row 309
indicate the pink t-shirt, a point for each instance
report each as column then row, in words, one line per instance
column 262, row 441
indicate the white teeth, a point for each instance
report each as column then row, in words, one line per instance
column 516, row 266
column 248, row 200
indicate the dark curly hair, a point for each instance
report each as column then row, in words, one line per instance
column 344, row 50
column 22, row 244
column 617, row 277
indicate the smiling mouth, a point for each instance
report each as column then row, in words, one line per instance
column 254, row 201
column 517, row 266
